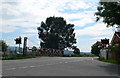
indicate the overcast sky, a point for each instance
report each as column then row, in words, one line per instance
column 22, row 17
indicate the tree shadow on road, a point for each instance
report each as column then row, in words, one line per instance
column 111, row 69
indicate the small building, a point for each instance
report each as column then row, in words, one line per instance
column 115, row 41
column 113, row 49
column 116, row 37
column 104, row 53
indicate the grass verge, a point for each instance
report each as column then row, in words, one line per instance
column 15, row 57
column 109, row 60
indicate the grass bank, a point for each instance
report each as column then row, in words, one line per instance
column 110, row 61
column 15, row 57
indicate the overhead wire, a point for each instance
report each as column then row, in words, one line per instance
column 34, row 42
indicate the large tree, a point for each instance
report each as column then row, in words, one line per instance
column 56, row 33
column 76, row 50
column 95, row 49
column 3, row 46
column 110, row 12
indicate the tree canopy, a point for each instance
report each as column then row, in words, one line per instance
column 55, row 33
column 110, row 12
column 76, row 50
column 3, row 46
column 96, row 48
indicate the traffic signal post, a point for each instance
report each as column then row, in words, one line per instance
column 18, row 41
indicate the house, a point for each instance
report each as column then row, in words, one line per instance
column 116, row 37
column 113, row 49
column 115, row 42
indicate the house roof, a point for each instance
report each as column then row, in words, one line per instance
column 116, row 34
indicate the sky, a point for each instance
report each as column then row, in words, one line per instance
column 22, row 17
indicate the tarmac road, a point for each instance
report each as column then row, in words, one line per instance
column 58, row 66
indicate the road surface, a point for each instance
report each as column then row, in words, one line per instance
column 58, row 66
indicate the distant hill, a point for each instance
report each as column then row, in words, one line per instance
column 85, row 53
column 13, row 49
column 67, row 52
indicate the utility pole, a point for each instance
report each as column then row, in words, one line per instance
column 19, row 43
column 15, row 50
column 25, row 46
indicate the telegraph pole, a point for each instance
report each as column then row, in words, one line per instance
column 19, row 43
column 25, row 46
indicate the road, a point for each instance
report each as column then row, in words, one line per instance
column 58, row 66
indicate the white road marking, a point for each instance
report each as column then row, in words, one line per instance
column 69, row 61
column 1, row 76
column 32, row 66
column 60, row 62
column 11, row 69
column 23, row 67
column 49, row 64
column 56, row 63
column 66, row 62
column 40, row 65
column 67, row 58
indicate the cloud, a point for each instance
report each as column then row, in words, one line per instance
column 31, row 31
column 10, row 10
column 95, row 30
column 17, row 23
column 84, row 44
column 75, row 5
column 26, row 35
column 82, row 22
column 85, row 48
column 35, row 11
column 7, row 29
column 93, row 33
column 28, row 14
column 99, row 38
column 38, row 10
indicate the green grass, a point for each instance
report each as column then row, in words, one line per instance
column 15, row 57
column 110, row 61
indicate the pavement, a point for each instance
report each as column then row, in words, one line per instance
column 58, row 66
